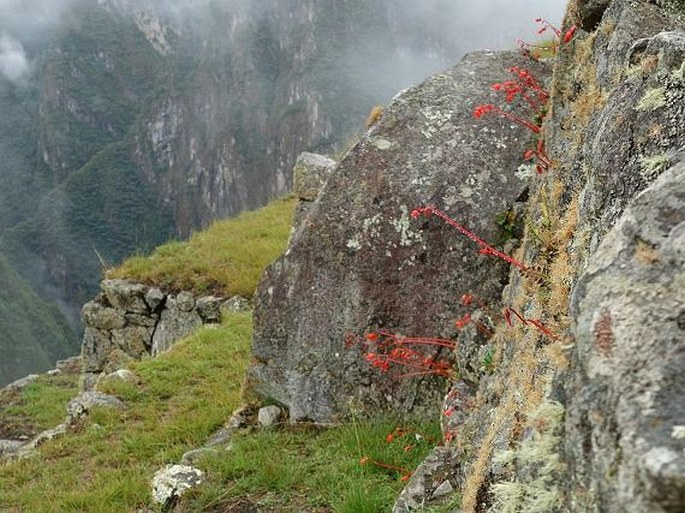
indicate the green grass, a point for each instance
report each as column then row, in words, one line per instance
column 39, row 406
column 186, row 394
column 228, row 258
column 309, row 469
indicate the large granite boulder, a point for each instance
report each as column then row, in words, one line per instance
column 625, row 414
column 360, row 263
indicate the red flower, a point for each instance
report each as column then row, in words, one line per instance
column 466, row 299
column 390, row 438
column 569, row 34
column 463, row 321
column 372, row 336
column 481, row 110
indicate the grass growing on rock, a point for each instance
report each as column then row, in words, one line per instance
column 107, row 462
column 226, row 259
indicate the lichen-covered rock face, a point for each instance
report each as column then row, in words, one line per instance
column 625, row 412
column 359, row 262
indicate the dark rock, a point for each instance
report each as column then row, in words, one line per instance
column 626, row 393
column 360, row 263
column 209, row 309
column 590, row 12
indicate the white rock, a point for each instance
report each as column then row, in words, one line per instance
column 269, row 415
column 173, row 481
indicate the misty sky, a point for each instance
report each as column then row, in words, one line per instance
column 470, row 24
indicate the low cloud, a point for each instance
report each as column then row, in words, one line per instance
column 14, row 64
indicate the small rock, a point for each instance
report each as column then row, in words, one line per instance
column 122, row 375
column 269, row 416
column 54, row 372
column 185, row 301
column 8, row 447
column 173, row 481
column 209, row 309
column 21, row 383
column 82, row 404
column 154, row 297
column 191, row 457
column 236, row 304
column 29, row 449
column 445, row 488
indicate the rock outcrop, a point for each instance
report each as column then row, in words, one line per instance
column 358, row 263
column 129, row 320
column 582, row 410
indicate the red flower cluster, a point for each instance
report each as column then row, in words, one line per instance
column 525, row 86
column 543, row 161
column 536, row 323
column 388, row 350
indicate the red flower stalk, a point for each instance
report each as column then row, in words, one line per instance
column 406, row 474
column 485, row 248
column 536, row 323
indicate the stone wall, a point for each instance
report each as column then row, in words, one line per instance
column 128, row 321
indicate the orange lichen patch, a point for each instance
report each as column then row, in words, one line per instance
column 645, row 253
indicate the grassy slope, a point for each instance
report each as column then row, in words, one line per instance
column 228, row 258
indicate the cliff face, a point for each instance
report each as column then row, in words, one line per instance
column 141, row 123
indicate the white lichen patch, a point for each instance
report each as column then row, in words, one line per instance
column 402, row 225
column 651, row 167
column 370, row 230
column 652, row 99
column 173, row 481
column 525, row 172
column 537, row 462
column 382, row 144
column 678, row 433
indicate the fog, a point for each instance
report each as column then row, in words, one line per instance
column 461, row 25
